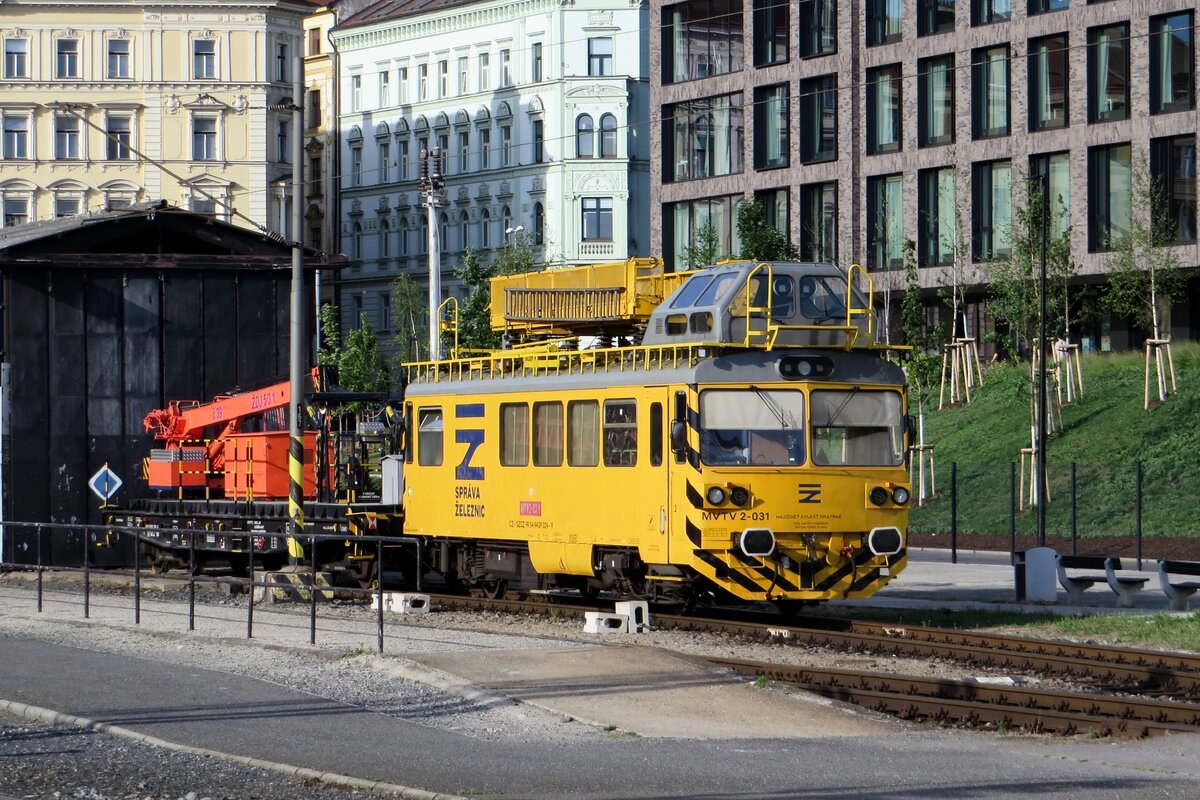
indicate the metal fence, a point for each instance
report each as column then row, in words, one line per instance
column 42, row 535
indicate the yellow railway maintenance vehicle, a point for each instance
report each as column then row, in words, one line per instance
column 750, row 445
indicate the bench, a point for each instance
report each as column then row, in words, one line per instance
column 1076, row 584
column 1178, row 592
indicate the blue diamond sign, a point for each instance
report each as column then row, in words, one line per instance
column 105, row 483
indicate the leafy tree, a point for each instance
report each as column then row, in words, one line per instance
column 924, row 363
column 359, row 364
column 518, row 255
column 474, row 317
column 410, row 310
column 1145, row 277
column 762, row 241
column 705, row 248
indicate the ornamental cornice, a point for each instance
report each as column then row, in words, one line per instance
column 393, row 31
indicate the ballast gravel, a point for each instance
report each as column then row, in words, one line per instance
column 62, row 761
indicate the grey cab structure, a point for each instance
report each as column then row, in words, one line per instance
column 766, row 303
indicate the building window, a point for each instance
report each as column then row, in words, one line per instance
column 989, row 102
column 985, row 12
column 771, row 126
column 935, row 101
column 402, row 161
column 774, row 204
column 355, row 92
column 818, row 119
column 883, row 109
column 1108, row 73
column 204, row 58
column 1048, row 81
column 485, row 229
column 315, row 176
column 1044, row 6
column 535, row 72
column 936, row 231
column 682, row 221
column 539, row 141
column 16, row 136
column 281, row 62
column 314, row 109
column 356, row 165
column 818, row 27
column 1173, row 175
column 701, row 38
column 444, row 233
column 770, row 32
column 991, row 185
column 600, row 53
column 16, row 211
column 584, row 136
column 818, row 222
column 385, row 311
column 119, row 130
column 485, row 81
column 1110, row 189
column 539, row 224
column 66, row 64
column 443, row 78
column 506, row 145
column 66, row 206
column 314, row 42
column 463, row 72
column 464, row 152
column 204, row 138
column 506, row 68
column 402, row 237
column 66, row 138
column 402, row 80
column 1172, row 64
column 934, row 16
column 703, row 138
column 384, row 83
column 608, row 136
column 1058, row 167
column 422, row 82
column 118, row 58
column 883, row 21
column 597, row 219
column 485, row 148
column 282, row 154
column 356, row 248
column 885, row 221
column 385, row 160
column 16, row 58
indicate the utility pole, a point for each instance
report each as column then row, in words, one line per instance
column 296, row 343
column 1042, row 483
column 432, row 185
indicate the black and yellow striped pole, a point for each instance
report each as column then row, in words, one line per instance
column 296, row 328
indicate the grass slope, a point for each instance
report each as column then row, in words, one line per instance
column 1105, row 434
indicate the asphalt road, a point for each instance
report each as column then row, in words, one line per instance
column 231, row 714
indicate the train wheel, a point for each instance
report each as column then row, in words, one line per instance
column 494, row 590
column 366, row 573
column 159, row 563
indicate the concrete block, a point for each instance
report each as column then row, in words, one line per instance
column 402, row 602
column 292, row 587
column 599, row 622
column 638, row 612
column 1041, row 575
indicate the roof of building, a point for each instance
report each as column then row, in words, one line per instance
column 397, row 9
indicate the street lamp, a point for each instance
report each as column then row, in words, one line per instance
column 518, row 229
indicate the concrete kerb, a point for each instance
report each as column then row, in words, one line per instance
column 51, row 717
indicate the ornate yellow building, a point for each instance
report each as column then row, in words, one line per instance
column 108, row 104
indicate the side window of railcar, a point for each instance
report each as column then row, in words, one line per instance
column 429, row 437
column 514, row 434
column 583, row 433
column 656, row 434
column 547, row 434
column 852, row 427
column 409, row 442
column 620, row 433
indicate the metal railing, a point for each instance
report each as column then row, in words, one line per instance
column 104, row 536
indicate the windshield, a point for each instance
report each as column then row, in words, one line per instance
column 857, row 428
column 763, row 427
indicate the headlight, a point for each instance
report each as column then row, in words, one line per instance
column 878, row 495
column 739, row 496
column 900, row 495
column 715, row 495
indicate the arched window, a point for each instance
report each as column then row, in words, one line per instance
column 463, row 219
column 444, row 232
column 403, row 237
column 485, row 229
column 608, row 136
column 584, row 132
column 539, row 224
column 506, row 216
column 423, row 242
column 356, row 242
column 385, row 240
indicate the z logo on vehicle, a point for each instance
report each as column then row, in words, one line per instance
column 473, row 437
column 809, row 493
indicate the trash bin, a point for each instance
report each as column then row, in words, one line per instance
column 1036, row 575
